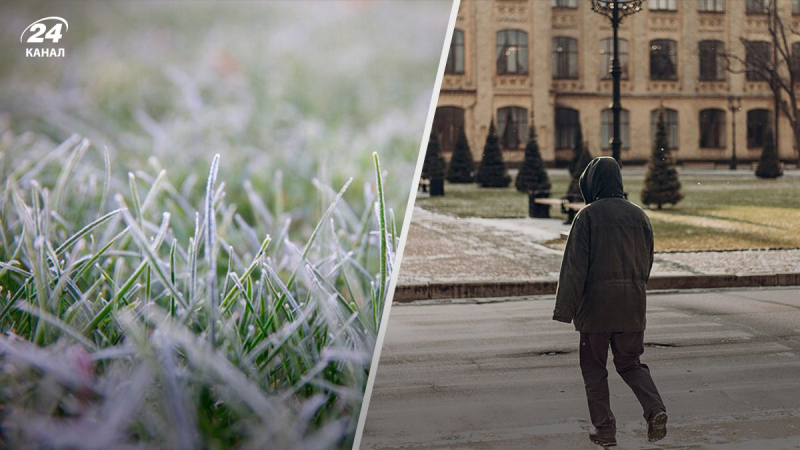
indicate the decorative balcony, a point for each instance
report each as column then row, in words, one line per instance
column 711, row 87
column 512, row 81
column 664, row 86
column 565, row 86
column 511, row 11
column 564, row 19
column 663, row 21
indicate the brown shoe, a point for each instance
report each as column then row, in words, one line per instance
column 604, row 438
column 657, row 426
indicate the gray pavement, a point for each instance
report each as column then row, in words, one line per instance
column 444, row 249
column 501, row 374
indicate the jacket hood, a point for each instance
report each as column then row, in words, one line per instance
column 602, row 178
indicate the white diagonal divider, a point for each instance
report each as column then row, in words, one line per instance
column 406, row 224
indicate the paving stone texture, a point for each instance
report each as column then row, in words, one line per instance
column 441, row 248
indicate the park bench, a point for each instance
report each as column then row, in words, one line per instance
column 571, row 209
column 539, row 207
column 567, row 207
column 550, row 201
column 424, row 184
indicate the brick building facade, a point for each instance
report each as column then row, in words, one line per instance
column 546, row 61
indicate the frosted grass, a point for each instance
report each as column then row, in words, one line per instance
column 112, row 338
column 144, row 302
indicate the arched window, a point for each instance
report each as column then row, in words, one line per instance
column 565, row 58
column 758, row 120
column 512, row 126
column 447, row 122
column 712, row 128
column 567, row 123
column 670, row 122
column 663, row 60
column 607, row 54
column 757, row 54
column 455, row 59
column 607, row 128
column 712, row 60
column 512, row 52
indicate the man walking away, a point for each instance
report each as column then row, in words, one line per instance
column 601, row 289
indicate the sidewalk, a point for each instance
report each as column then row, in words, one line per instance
column 473, row 257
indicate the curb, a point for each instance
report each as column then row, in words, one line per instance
column 406, row 293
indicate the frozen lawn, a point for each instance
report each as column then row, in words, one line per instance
column 152, row 299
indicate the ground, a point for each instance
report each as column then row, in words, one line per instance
column 721, row 209
column 502, row 374
column 446, row 249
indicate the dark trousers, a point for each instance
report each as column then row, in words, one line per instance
column 626, row 347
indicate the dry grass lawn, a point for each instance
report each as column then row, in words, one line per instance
column 720, row 211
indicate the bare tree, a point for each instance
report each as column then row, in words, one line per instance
column 778, row 65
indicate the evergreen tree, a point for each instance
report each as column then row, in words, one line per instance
column 661, row 183
column 583, row 158
column 462, row 168
column 492, row 171
column 532, row 176
column 577, row 150
column 433, row 166
column 769, row 166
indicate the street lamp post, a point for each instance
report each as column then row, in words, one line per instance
column 735, row 104
column 616, row 10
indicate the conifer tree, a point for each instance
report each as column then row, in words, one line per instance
column 532, row 177
column 577, row 150
column 769, row 166
column 462, row 167
column 492, row 171
column 433, row 166
column 661, row 183
column 583, row 158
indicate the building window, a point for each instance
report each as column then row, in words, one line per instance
column 607, row 55
column 756, row 6
column 512, row 52
column 565, row 58
column 512, row 127
column 663, row 60
column 455, row 59
column 671, row 124
column 567, row 123
column 795, row 61
column 711, row 5
column 712, row 128
column 663, row 5
column 758, row 120
column 607, row 128
column 795, row 7
column 756, row 57
column 712, row 60
column 447, row 122
column 565, row 3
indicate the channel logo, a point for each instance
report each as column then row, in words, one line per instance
column 50, row 29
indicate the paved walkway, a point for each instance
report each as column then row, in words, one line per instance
column 441, row 248
column 504, row 375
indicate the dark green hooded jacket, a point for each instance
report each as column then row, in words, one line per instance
column 608, row 257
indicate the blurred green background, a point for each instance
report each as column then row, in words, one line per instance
column 308, row 89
